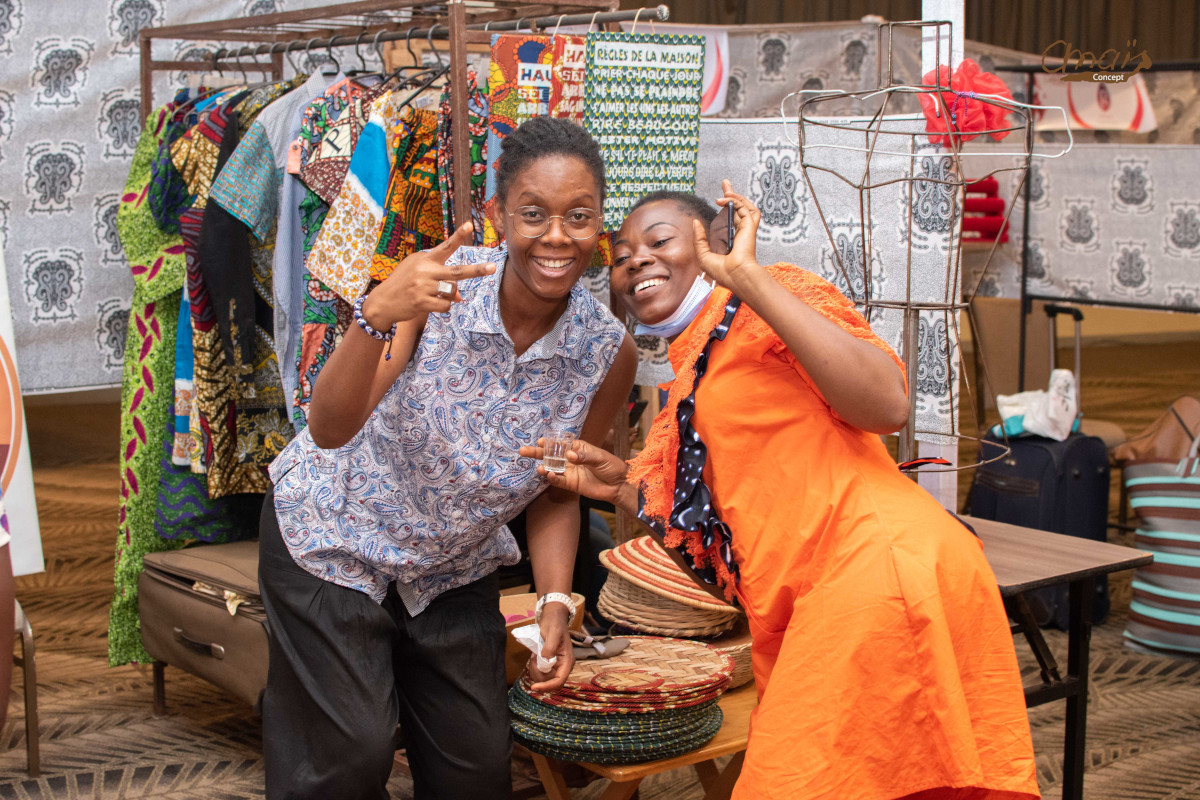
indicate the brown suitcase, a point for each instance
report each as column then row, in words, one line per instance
column 185, row 598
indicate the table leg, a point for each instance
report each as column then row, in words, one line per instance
column 708, row 772
column 723, row 787
column 620, row 791
column 552, row 779
column 1082, row 593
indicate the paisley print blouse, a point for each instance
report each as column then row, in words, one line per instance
column 422, row 494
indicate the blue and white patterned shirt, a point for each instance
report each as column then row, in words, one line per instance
column 422, row 494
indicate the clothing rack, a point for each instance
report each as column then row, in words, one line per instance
column 462, row 22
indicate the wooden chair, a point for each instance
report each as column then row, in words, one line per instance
column 28, row 663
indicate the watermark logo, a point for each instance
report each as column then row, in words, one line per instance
column 1111, row 66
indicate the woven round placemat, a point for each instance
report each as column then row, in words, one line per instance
column 534, row 713
column 606, row 741
column 532, row 709
column 736, row 644
column 649, row 699
column 679, row 664
column 628, row 604
column 644, row 562
column 608, row 705
column 662, row 750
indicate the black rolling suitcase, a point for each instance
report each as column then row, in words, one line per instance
column 1061, row 487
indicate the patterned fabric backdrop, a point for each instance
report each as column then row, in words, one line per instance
column 69, row 121
column 1108, row 223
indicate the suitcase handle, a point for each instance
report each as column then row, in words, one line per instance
column 1053, row 310
column 212, row 650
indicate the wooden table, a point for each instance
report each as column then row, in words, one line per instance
column 1025, row 559
column 625, row 778
column 1022, row 559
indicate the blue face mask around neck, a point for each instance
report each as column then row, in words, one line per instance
column 679, row 319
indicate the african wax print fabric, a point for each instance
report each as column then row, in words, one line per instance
column 567, row 78
column 412, row 218
column 326, row 165
column 186, row 512
column 214, row 377
column 255, row 188
column 477, row 119
column 643, row 106
column 251, row 188
column 318, row 115
column 518, row 89
column 168, row 195
column 182, row 425
column 341, row 256
column 156, row 262
column 325, row 317
column 194, row 154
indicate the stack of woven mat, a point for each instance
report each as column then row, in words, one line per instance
column 646, row 591
column 656, row 699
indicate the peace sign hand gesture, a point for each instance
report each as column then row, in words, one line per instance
column 735, row 270
column 422, row 284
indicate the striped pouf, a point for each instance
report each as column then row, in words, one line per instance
column 1165, row 613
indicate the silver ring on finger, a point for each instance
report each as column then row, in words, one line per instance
column 445, row 289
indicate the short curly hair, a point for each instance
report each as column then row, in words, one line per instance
column 546, row 136
column 688, row 203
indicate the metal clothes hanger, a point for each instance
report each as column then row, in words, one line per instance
column 429, row 41
column 329, row 51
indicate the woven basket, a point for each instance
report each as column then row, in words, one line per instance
column 736, row 645
column 629, row 603
column 644, row 562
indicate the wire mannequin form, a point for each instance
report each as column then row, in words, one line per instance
column 930, row 182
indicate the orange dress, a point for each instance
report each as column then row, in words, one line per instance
column 882, row 654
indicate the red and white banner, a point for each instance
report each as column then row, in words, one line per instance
column 1099, row 105
column 16, row 470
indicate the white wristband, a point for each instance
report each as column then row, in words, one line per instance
column 555, row 597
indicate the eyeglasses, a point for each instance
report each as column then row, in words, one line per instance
column 578, row 223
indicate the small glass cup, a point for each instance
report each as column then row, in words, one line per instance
column 555, row 446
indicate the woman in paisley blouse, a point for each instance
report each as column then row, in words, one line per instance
column 379, row 550
column 882, row 654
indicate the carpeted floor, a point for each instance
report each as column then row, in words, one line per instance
column 99, row 738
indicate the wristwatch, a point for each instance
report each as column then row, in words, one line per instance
column 555, row 597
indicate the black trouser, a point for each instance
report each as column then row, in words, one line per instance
column 345, row 669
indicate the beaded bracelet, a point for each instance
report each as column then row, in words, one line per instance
column 555, row 597
column 366, row 326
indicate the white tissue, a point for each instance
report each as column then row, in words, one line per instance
column 531, row 636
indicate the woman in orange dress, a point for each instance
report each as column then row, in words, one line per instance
column 882, row 654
